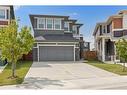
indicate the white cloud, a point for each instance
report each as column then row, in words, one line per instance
column 73, row 14
column 17, row 7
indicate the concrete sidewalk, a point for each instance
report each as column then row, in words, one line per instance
column 88, row 84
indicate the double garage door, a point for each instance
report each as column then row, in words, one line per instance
column 56, row 53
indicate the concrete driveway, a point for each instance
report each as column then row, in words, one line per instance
column 66, row 71
column 69, row 75
column 61, row 75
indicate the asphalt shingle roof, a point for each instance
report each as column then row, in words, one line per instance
column 56, row 37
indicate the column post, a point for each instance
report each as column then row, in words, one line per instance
column 103, row 49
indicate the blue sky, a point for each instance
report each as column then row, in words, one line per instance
column 87, row 15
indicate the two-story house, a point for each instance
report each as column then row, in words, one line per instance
column 107, row 33
column 57, row 38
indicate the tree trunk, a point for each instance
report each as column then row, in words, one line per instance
column 13, row 70
column 124, row 67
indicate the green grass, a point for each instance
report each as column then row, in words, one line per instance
column 21, row 70
column 114, row 68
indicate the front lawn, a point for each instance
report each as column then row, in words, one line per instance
column 114, row 68
column 21, row 70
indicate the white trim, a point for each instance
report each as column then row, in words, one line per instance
column 74, row 52
column 76, row 47
column 38, row 53
column 103, row 50
column 67, row 31
column 35, row 47
column 56, row 45
column 56, row 42
column 120, row 29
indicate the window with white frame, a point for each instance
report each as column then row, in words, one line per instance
column 57, row 24
column 49, row 22
column 66, row 26
column 74, row 29
column 41, row 23
column 2, row 14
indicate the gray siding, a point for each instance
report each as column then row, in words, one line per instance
column 35, row 54
column 35, row 23
column 77, row 54
column 12, row 15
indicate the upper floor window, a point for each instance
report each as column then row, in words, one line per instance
column 109, row 27
column 100, row 29
column 57, row 24
column 41, row 23
column 49, row 23
column 2, row 14
column 104, row 31
column 66, row 26
column 74, row 29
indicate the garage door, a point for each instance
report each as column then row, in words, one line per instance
column 56, row 53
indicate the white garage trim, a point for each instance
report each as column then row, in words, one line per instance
column 74, row 52
column 38, row 45
column 38, row 53
column 56, row 45
column 56, row 42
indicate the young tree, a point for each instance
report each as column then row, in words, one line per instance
column 121, row 48
column 14, row 44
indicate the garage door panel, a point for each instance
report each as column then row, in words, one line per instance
column 56, row 53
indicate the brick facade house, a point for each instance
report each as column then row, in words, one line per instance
column 107, row 33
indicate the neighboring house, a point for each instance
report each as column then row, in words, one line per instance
column 57, row 38
column 86, row 46
column 107, row 33
column 6, row 14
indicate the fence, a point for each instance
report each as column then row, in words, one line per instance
column 90, row 55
